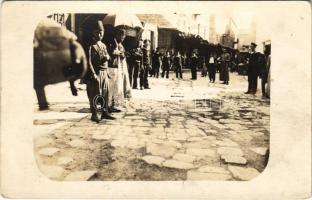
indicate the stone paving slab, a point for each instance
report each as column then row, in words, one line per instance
column 155, row 160
column 184, row 157
column 81, row 175
column 232, row 159
column 260, row 150
column 201, row 152
column 230, row 151
column 178, row 164
column 243, row 173
column 160, row 150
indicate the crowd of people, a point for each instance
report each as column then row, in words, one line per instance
column 113, row 72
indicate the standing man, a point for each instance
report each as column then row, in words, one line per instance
column 156, row 62
column 224, row 68
column 97, row 75
column 212, row 67
column 194, row 66
column 253, row 70
column 146, row 66
column 177, row 63
column 136, row 56
column 166, row 62
column 119, row 82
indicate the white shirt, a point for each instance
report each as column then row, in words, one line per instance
column 211, row 60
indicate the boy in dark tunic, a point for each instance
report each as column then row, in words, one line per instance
column 97, row 76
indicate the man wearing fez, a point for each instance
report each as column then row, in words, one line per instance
column 146, row 65
column 119, row 82
column 97, row 75
column 253, row 69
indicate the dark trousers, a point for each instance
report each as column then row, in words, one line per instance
column 156, row 70
column 165, row 71
column 130, row 71
column 263, row 82
column 194, row 73
column 144, row 76
column 252, row 83
column 212, row 72
column 178, row 70
column 134, row 73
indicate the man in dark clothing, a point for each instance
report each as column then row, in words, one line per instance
column 193, row 66
column 177, row 63
column 146, row 66
column 135, row 64
column 166, row 62
column 224, row 68
column 156, row 62
column 97, row 75
column 212, row 67
column 253, row 70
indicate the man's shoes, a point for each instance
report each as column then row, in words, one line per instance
column 113, row 109
column 147, row 88
column 141, row 88
column 106, row 115
column 248, row 92
column 135, row 88
column 95, row 118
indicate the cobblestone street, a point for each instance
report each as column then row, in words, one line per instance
column 178, row 130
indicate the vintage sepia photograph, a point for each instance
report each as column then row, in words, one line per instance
column 152, row 97
column 155, row 100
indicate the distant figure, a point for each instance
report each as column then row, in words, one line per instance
column 268, row 64
column 146, row 66
column 193, row 66
column 212, row 67
column 263, row 74
column 204, row 67
column 135, row 64
column 253, row 70
column 166, row 62
column 156, row 63
column 177, row 63
column 224, row 67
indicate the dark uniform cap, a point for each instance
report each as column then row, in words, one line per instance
column 253, row 44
